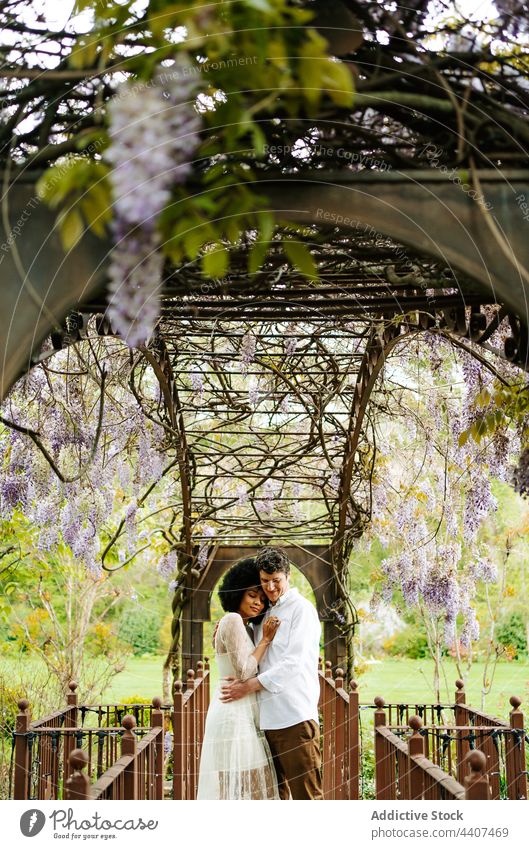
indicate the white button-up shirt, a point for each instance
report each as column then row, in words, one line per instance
column 289, row 669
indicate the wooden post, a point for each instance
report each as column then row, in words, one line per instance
column 191, row 736
column 22, row 723
column 77, row 785
column 461, row 718
column 157, row 722
column 72, row 702
column 201, row 707
column 354, row 742
column 178, row 741
column 382, row 783
column 515, row 753
column 208, row 682
column 340, row 764
column 327, row 732
column 129, row 747
column 476, row 783
column 71, row 721
column 415, row 780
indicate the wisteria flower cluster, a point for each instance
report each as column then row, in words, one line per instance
column 154, row 133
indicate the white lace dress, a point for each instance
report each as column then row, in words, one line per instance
column 235, row 761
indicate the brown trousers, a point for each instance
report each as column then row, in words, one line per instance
column 297, row 760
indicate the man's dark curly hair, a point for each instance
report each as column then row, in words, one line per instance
column 271, row 560
column 241, row 577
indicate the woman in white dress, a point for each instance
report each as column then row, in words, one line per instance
column 235, row 761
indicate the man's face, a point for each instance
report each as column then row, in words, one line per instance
column 275, row 584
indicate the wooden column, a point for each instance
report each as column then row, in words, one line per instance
column 191, row 737
column 178, row 741
column 461, row 718
column 382, row 775
column 69, row 742
column 340, row 737
column 22, row 723
column 208, row 682
column 157, row 722
column 415, row 747
column 354, row 742
column 129, row 747
column 515, row 753
column 327, row 732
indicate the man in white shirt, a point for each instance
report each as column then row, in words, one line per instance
column 287, row 682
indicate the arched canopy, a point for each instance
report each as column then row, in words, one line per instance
column 425, row 213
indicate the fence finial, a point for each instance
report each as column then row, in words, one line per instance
column 415, row 722
column 515, row 702
column 178, row 686
column 354, row 685
column 23, row 705
column 157, row 702
column 460, row 684
column 477, row 781
column 73, row 685
column 379, row 702
column 77, row 786
column 128, row 722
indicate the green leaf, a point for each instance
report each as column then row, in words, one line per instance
column 71, row 228
column 266, row 224
column 194, row 239
column 215, row 262
column 258, row 139
column 95, row 216
column 256, row 256
column 463, row 438
column 337, row 81
column 300, row 257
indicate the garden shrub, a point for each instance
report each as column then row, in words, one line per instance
column 141, row 630
column 411, row 642
column 511, row 633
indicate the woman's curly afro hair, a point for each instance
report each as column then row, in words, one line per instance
column 241, row 577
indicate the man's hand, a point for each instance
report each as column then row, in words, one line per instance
column 232, row 689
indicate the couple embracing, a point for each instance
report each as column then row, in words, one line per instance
column 262, row 736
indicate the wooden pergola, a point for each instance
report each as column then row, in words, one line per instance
column 414, row 206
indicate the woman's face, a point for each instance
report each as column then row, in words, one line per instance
column 252, row 603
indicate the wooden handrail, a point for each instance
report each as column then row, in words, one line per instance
column 449, row 784
column 119, row 767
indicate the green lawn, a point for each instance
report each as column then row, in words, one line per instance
column 406, row 680
column 394, row 679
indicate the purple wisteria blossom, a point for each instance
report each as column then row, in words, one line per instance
column 209, row 532
column 167, row 564
column 478, row 504
column 154, row 133
column 247, row 350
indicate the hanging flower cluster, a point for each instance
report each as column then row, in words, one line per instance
column 154, row 133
